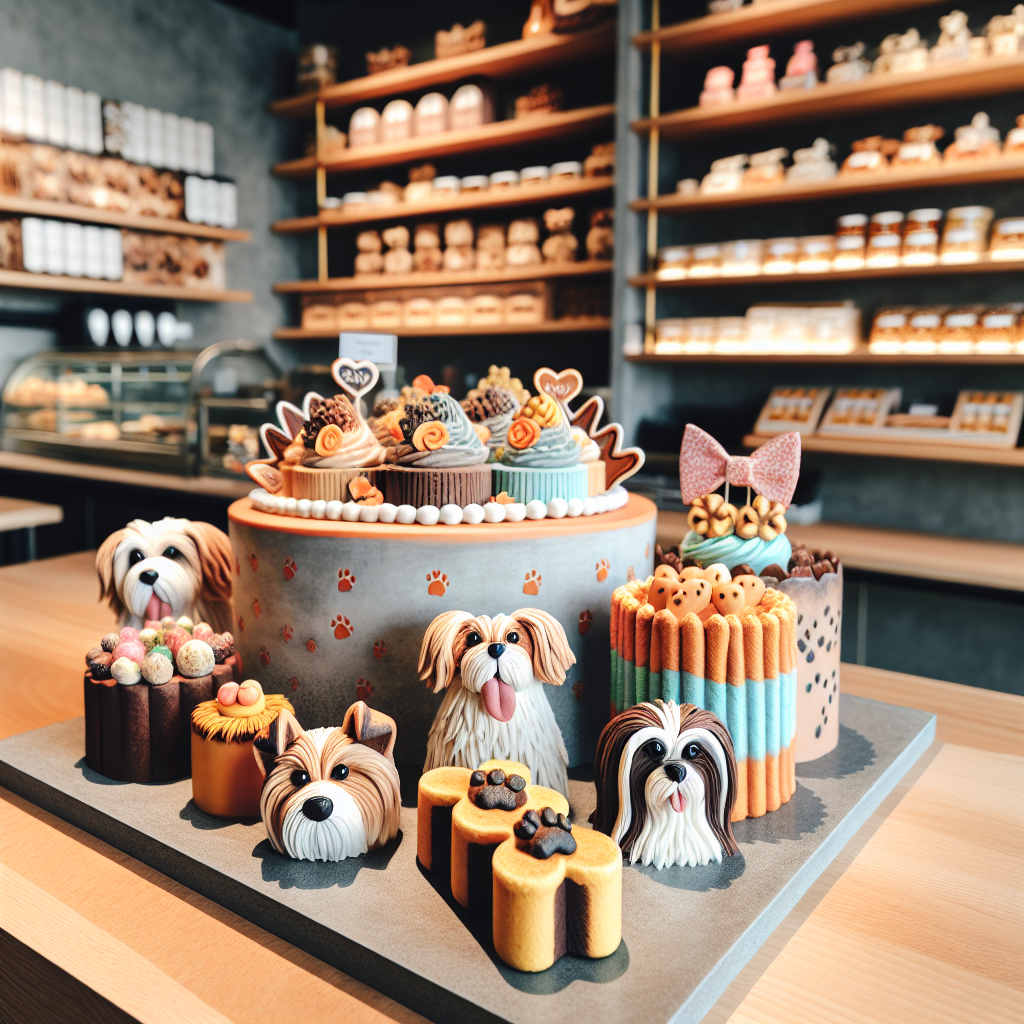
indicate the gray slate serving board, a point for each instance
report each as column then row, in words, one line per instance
column 687, row 932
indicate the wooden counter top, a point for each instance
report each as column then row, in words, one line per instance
column 921, row 918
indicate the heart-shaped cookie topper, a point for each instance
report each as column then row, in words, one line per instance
column 562, row 387
column 354, row 377
column 265, row 475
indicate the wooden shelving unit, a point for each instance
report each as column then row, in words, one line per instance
column 574, row 326
column 496, row 199
column 505, row 60
column 904, row 450
column 875, row 92
column 514, row 132
column 860, row 355
column 135, row 222
column 92, row 286
column 1009, row 168
column 659, row 279
column 765, row 19
column 385, row 282
column 976, row 563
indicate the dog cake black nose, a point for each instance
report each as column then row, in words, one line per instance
column 495, row 650
column 676, row 772
column 318, row 808
column 149, row 577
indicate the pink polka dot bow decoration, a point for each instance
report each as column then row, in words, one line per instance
column 705, row 465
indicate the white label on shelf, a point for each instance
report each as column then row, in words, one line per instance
column 961, row 319
column 74, row 101
column 381, row 349
column 204, row 148
column 34, row 92
column 1010, row 227
column 93, row 244
column 928, row 321
column 891, row 320
column 12, row 113
column 113, row 255
column 53, row 246
column 189, row 160
column 93, row 123
column 155, row 138
column 33, row 245
column 56, row 114
column 998, row 320
column 74, row 250
column 172, row 142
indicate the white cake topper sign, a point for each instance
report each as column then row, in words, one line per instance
column 355, row 377
column 562, row 387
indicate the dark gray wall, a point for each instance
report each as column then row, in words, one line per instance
column 195, row 58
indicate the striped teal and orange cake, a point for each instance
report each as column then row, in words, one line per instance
column 740, row 666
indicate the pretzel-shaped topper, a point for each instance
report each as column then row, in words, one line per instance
column 711, row 516
column 761, row 518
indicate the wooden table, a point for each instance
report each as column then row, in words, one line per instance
column 19, row 514
column 920, row 919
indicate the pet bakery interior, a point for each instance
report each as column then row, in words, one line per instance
column 508, row 507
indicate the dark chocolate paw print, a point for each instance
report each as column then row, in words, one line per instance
column 497, row 791
column 545, row 833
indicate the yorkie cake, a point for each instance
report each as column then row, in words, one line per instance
column 226, row 780
column 140, row 690
column 725, row 644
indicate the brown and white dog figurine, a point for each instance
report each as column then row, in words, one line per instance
column 666, row 784
column 331, row 793
column 494, row 705
column 171, row 567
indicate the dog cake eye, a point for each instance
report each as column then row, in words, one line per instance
column 656, row 748
column 692, row 752
column 513, row 637
column 171, row 552
column 135, row 556
column 473, row 638
column 299, row 778
column 340, row 772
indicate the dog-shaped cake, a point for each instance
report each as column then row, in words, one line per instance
column 494, row 705
column 329, row 794
column 172, row 567
column 666, row 783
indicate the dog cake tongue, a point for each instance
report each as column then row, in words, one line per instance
column 678, row 802
column 157, row 609
column 499, row 699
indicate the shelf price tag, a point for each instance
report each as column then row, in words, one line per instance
column 381, row 349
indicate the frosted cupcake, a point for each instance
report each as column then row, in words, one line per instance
column 439, row 459
column 720, row 534
column 492, row 412
column 541, row 456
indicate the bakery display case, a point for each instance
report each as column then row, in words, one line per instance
column 166, row 411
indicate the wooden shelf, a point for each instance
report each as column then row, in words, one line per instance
column 875, row 92
column 976, row 563
column 136, row 222
column 574, row 326
column 1010, row 168
column 385, row 282
column 505, row 60
column 491, row 199
column 513, row 132
column 904, row 450
column 983, row 266
column 91, row 286
column 859, row 355
column 758, row 20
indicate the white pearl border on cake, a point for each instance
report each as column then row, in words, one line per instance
column 446, row 515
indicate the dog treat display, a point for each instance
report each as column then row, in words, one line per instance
column 385, row 59
column 667, row 782
column 561, row 244
column 226, row 780
column 141, row 686
column 319, row 452
column 329, row 793
column 491, row 671
column 458, row 40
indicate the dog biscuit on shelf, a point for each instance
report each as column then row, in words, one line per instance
column 557, row 890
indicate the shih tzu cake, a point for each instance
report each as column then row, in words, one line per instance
column 172, row 567
column 494, row 706
column 329, row 794
column 666, row 783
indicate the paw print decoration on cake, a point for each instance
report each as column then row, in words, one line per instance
column 346, row 580
column 531, row 586
column 437, row 583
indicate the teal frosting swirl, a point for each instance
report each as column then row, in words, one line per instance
column 732, row 551
column 464, row 447
column 555, row 449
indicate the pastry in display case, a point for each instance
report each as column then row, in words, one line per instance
column 165, row 411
